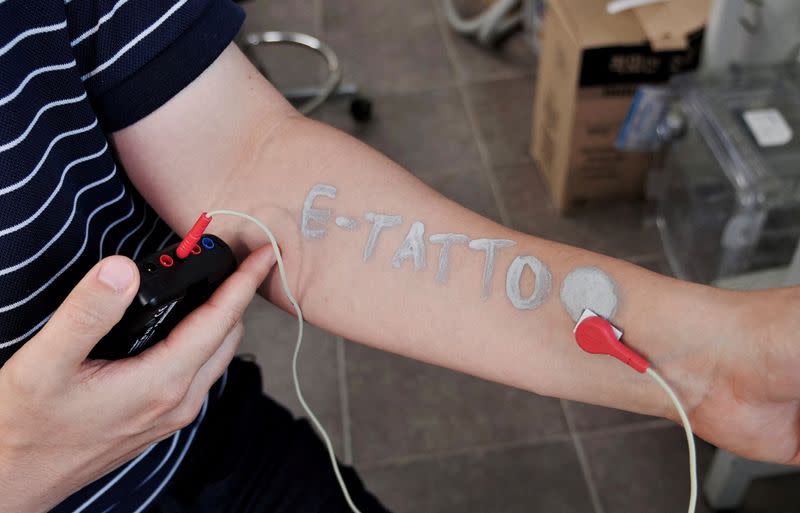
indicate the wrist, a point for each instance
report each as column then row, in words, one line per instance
column 677, row 328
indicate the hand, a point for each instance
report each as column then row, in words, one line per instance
column 750, row 402
column 66, row 421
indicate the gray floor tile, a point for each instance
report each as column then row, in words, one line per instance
column 588, row 417
column 286, row 66
column 270, row 337
column 467, row 185
column 475, row 63
column 504, row 126
column 400, row 407
column 391, row 59
column 371, row 15
column 422, row 131
column 644, row 471
column 290, row 15
column 544, row 478
column 621, row 229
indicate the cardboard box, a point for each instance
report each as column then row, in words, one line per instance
column 589, row 67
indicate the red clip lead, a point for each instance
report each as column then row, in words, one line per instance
column 189, row 242
column 596, row 335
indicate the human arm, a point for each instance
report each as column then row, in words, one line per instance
column 65, row 421
column 229, row 141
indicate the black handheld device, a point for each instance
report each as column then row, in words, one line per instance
column 169, row 289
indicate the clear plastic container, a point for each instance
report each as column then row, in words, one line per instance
column 729, row 192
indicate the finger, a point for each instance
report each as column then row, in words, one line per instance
column 208, row 374
column 88, row 313
column 192, row 342
column 215, row 367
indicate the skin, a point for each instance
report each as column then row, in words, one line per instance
column 230, row 141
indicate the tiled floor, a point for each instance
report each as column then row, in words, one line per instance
column 430, row 440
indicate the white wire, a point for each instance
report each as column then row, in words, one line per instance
column 623, row 5
column 492, row 22
column 687, row 426
column 282, row 271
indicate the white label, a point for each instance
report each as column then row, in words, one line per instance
column 768, row 126
column 152, row 324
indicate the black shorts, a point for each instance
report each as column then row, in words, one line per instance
column 251, row 455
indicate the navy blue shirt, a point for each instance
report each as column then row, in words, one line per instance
column 71, row 72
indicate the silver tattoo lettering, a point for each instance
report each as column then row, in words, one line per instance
column 347, row 223
column 379, row 222
column 413, row 247
column 542, row 284
column 446, row 240
column 318, row 215
column 490, row 246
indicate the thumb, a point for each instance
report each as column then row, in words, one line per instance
column 93, row 307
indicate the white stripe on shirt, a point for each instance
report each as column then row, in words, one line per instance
column 25, row 335
column 171, row 473
column 41, row 323
column 141, row 242
column 45, row 108
column 126, row 237
column 133, row 42
column 69, row 264
column 102, row 20
column 114, row 481
column 164, row 242
column 35, row 73
column 15, row 186
column 164, row 460
column 112, row 225
column 43, row 207
column 31, row 32
column 63, row 228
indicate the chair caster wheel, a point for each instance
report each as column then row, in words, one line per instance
column 361, row 109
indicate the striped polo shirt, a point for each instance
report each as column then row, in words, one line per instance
column 71, row 72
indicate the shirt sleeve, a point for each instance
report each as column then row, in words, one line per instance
column 135, row 55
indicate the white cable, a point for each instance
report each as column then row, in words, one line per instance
column 687, row 426
column 623, row 5
column 493, row 22
column 284, row 280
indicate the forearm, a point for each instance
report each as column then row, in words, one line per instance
column 459, row 312
column 350, row 286
column 257, row 156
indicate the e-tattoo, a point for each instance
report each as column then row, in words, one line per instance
column 584, row 287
